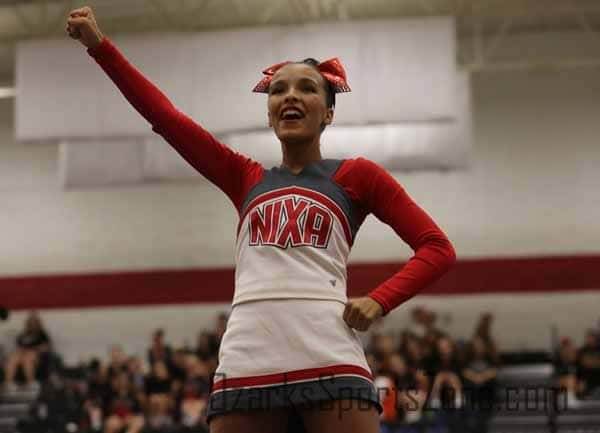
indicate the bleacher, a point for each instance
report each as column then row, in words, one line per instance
column 527, row 402
column 14, row 406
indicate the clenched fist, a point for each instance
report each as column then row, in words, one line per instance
column 81, row 25
column 360, row 313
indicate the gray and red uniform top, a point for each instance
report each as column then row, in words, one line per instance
column 295, row 230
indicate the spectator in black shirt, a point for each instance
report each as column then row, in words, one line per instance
column 445, row 370
column 382, row 345
column 483, row 330
column 412, row 350
column 566, row 370
column 221, row 325
column 177, row 368
column 32, row 342
column 117, row 362
column 207, row 346
column 122, row 407
column 589, row 364
column 193, row 399
column 411, row 387
column 135, row 368
column 479, row 374
column 96, row 380
column 159, row 350
column 160, row 399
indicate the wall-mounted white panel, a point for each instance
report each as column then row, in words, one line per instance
column 410, row 70
column 442, row 144
column 58, row 91
column 227, row 66
column 164, row 60
column 99, row 163
column 162, row 162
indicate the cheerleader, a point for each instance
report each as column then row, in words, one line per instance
column 290, row 348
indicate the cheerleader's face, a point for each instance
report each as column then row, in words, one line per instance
column 297, row 103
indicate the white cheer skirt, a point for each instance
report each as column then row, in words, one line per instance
column 283, row 352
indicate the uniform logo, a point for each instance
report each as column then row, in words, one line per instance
column 290, row 221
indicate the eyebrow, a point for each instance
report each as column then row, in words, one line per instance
column 310, row 80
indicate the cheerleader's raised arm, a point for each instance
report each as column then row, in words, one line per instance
column 232, row 172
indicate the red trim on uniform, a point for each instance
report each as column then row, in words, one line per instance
column 162, row 287
column 291, row 376
column 308, row 193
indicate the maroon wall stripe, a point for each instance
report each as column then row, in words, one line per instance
column 506, row 275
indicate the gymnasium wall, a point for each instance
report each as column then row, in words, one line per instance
column 531, row 191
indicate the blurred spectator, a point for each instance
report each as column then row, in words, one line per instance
column 407, row 393
column 479, row 375
column 33, row 343
column 117, row 362
column 419, row 322
column 373, row 363
column 445, row 370
column 423, row 323
column 430, row 319
column 122, row 408
column 135, row 368
column 221, row 326
column 177, row 368
column 96, row 380
column 59, row 407
column 483, row 330
column 159, row 350
column 382, row 345
column 412, row 350
column 589, row 364
column 207, row 346
column 2, row 363
column 97, row 390
column 480, row 369
column 158, row 391
column 193, row 399
column 565, row 369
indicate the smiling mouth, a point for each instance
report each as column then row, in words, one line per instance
column 291, row 114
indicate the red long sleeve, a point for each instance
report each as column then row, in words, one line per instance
column 377, row 192
column 232, row 172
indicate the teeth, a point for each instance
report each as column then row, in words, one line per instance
column 291, row 112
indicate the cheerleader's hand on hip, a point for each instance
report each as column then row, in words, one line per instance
column 81, row 25
column 360, row 313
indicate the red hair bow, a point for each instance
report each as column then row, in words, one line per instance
column 332, row 70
